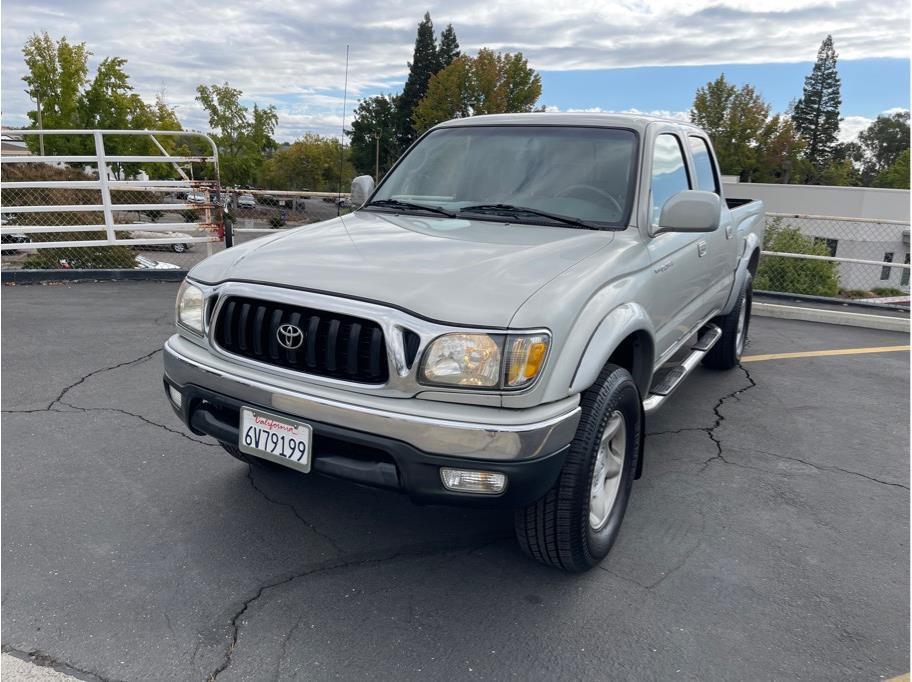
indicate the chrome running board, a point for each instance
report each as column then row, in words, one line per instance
column 659, row 393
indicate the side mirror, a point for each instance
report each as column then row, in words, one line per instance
column 362, row 187
column 690, row 211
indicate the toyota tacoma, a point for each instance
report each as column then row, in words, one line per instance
column 493, row 325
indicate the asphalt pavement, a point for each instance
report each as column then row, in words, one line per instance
column 768, row 538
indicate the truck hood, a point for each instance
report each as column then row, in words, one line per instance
column 466, row 272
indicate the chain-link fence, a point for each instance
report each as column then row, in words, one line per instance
column 852, row 258
column 103, row 200
column 146, row 200
column 253, row 213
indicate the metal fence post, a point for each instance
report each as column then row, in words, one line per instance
column 228, row 223
column 103, row 183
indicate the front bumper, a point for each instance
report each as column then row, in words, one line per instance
column 391, row 442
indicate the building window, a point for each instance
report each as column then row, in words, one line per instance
column 830, row 244
column 885, row 271
column 904, row 278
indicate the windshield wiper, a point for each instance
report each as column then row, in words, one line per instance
column 509, row 209
column 396, row 203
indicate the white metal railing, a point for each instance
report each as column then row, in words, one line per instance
column 209, row 210
column 839, row 259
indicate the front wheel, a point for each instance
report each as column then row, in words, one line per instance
column 727, row 352
column 575, row 524
column 178, row 248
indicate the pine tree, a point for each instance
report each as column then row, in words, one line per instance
column 449, row 47
column 816, row 113
column 424, row 64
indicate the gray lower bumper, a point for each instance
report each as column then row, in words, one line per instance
column 470, row 431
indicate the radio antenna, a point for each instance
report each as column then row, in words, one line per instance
column 342, row 145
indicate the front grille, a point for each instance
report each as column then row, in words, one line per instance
column 333, row 345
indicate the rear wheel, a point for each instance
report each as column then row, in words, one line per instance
column 178, row 248
column 575, row 524
column 727, row 352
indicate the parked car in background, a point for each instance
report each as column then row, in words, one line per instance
column 493, row 326
column 176, row 246
column 197, row 198
column 246, row 201
column 146, row 263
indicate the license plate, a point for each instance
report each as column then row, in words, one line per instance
column 275, row 438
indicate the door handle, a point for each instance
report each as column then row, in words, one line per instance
column 728, row 231
column 701, row 249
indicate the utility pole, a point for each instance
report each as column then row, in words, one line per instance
column 377, row 157
column 40, row 126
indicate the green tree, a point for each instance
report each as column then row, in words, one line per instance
column 736, row 120
column 490, row 83
column 375, row 117
column 449, row 48
column 897, row 175
column 795, row 275
column 57, row 72
column 309, row 163
column 881, row 144
column 778, row 151
column 816, row 113
column 425, row 63
column 243, row 137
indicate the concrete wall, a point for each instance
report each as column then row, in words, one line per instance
column 848, row 202
column 867, row 240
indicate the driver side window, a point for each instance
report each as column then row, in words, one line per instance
column 669, row 173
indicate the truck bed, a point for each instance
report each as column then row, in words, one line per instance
column 735, row 203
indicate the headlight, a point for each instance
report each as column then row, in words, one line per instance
column 463, row 360
column 190, row 307
column 479, row 360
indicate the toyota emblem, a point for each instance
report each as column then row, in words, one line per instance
column 290, row 336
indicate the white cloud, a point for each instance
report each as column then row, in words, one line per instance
column 293, row 54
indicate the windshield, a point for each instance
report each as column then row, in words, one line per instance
column 492, row 172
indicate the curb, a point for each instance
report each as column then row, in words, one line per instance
column 41, row 276
column 788, row 312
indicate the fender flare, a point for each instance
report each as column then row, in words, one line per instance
column 617, row 325
column 751, row 244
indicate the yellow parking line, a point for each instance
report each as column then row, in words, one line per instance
column 822, row 353
column 901, row 678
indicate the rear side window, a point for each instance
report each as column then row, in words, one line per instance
column 703, row 165
column 669, row 173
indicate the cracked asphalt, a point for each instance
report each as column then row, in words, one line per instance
column 768, row 538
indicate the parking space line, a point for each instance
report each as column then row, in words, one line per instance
column 824, row 353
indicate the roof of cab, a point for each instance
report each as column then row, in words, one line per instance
column 583, row 118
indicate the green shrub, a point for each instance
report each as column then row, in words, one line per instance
column 887, row 291
column 795, row 275
column 189, row 215
column 276, row 221
column 154, row 214
column 81, row 258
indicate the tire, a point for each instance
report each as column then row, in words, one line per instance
column 726, row 354
column 567, row 528
column 178, row 248
column 235, row 452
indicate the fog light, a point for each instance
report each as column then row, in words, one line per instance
column 464, row 481
column 175, row 396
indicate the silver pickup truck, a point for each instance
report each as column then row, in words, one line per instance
column 493, row 325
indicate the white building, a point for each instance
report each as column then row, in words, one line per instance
column 882, row 234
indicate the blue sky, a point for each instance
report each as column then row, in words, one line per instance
column 613, row 55
column 869, row 86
